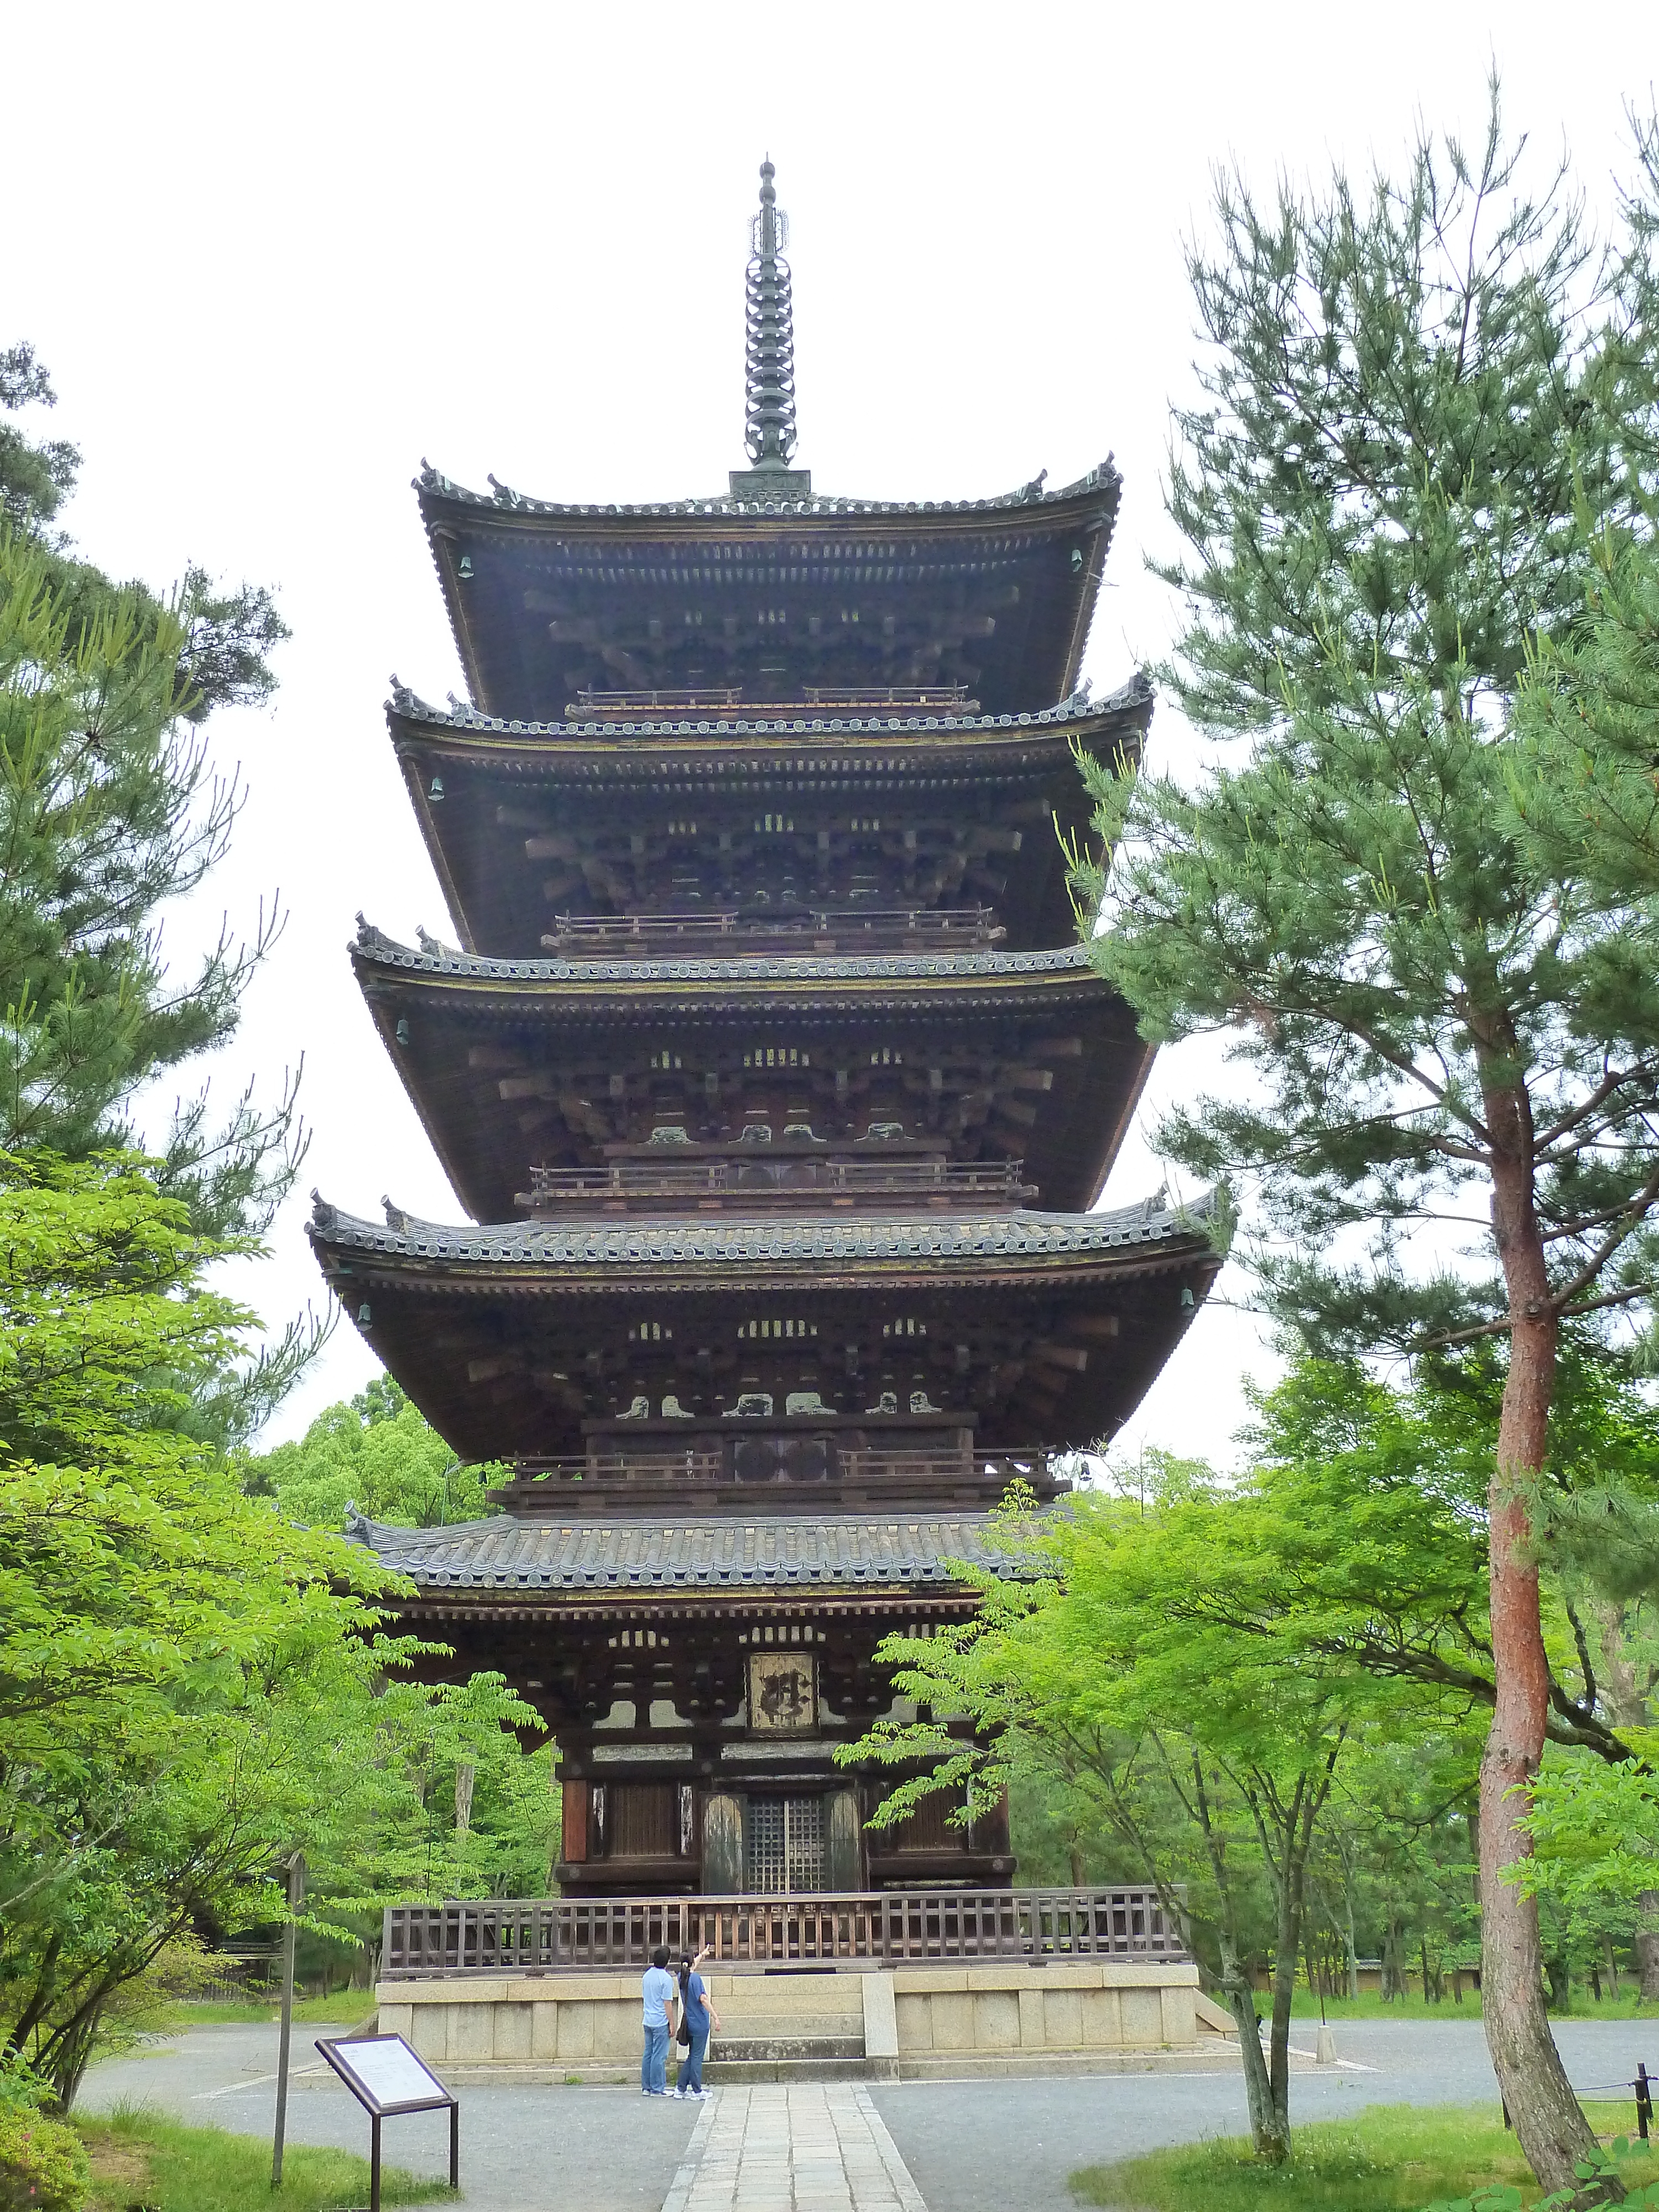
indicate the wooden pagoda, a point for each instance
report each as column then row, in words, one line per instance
column 770, row 1068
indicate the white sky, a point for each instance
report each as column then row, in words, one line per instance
column 274, row 256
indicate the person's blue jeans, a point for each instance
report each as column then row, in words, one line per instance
column 653, row 2066
column 690, row 2073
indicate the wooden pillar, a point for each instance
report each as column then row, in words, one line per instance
column 843, row 1857
column 722, row 1847
column 573, row 1849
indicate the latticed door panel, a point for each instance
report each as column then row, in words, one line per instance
column 804, row 1844
column 784, row 1846
column 767, row 1871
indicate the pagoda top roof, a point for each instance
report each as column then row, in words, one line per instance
column 771, row 597
column 758, row 1551
column 1101, row 483
column 1018, row 1234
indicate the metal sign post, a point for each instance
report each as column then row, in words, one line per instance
column 387, row 2078
column 296, row 1891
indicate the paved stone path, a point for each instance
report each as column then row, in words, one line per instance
column 818, row 2147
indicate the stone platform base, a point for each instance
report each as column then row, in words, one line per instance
column 893, row 2024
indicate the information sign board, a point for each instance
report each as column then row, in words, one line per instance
column 387, row 2078
column 384, row 2074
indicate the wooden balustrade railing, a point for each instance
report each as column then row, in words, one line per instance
column 883, row 1928
column 971, row 926
column 756, row 1175
column 705, row 1459
column 952, row 699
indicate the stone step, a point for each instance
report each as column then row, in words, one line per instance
column 749, row 2049
column 731, row 2073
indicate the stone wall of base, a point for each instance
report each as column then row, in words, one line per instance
column 887, row 2017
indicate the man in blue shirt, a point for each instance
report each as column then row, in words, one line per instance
column 659, row 1990
column 697, row 2017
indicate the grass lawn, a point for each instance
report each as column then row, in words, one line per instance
column 139, row 2159
column 1394, row 2158
column 351, row 2006
column 1305, row 2006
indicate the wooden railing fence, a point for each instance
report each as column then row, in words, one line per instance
column 887, row 1928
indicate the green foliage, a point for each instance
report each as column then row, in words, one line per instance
column 124, row 1545
column 189, row 1683
column 43, row 2164
column 1597, row 2178
column 1146, row 1657
column 1596, row 1833
column 377, row 1454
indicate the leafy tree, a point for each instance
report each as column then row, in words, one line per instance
column 377, row 1453
column 124, row 1545
column 189, row 1682
column 1114, row 1662
column 142, row 1593
column 1412, row 391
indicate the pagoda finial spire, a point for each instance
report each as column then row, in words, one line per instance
column 770, row 382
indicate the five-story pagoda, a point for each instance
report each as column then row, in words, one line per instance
column 774, row 1074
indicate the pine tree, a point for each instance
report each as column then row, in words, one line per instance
column 1414, row 391
column 110, row 808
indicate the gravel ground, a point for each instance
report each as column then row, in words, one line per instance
column 608, row 2151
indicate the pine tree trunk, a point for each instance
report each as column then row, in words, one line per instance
column 1550, row 2126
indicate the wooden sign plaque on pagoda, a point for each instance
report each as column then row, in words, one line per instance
column 781, row 1092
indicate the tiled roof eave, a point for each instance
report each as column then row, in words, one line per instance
column 373, row 950
column 867, row 1559
column 535, row 1257
column 826, row 732
column 1101, row 486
